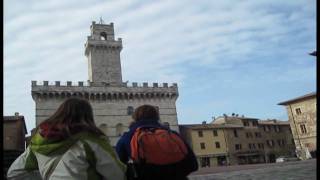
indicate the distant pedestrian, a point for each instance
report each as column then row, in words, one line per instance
column 68, row 145
column 153, row 151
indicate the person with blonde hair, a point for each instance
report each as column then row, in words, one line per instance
column 68, row 145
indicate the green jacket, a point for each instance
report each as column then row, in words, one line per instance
column 83, row 156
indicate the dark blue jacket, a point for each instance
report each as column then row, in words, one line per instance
column 123, row 150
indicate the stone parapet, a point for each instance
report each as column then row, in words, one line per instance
column 103, row 91
column 104, row 45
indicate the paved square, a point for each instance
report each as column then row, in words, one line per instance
column 297, row 170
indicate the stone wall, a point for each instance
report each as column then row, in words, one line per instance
column 110, row 104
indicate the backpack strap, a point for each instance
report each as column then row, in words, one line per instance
column 53, row 167
column 91, row 158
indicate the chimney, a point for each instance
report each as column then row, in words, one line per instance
column 16, row 114
column 204, row 122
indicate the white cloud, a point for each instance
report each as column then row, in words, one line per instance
column 164, row 41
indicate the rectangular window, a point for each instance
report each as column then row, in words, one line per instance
column 256, row 134
column 254, row 146
column 303, row 128
column 283, row 142
column 200, row 133
column 245, row 123
column 298, row 111
column 215, row 133
column 254, row 123
column 205, row 162
column 217, row 145
column 247, row 134
column 130, row 110
column 279, row 142
column 238, row 146
column 262, row 145
column 235, row 133
column 249, row 145
column 202, row 145
column 276, row 129
column 270, row 143
column 251, row 134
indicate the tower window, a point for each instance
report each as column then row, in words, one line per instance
column 130, row 110
column 103, row 36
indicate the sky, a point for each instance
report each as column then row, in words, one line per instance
column 238, row 56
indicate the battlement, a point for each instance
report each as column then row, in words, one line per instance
column 87, row 84
column 57, row 90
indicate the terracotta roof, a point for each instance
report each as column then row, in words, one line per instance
column 273, row 122
column 307, row 96
column 210, row 126
column 15, row 118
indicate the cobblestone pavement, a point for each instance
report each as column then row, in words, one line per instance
column 298, row 170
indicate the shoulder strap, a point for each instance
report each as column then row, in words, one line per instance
column 53, row 166
column 91, row 158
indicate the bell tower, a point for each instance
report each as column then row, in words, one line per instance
column 103, row 53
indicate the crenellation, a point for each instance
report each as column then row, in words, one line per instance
column 155, row 85
column 57, row 83
column 80, row 83
column 165, row 85
column 175, row 85
column 145, row 84
column 134, row 84
column 45, row 83
column 33, row 83
column 69, row 83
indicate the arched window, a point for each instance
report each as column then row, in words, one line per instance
column 104, row 128
column 103, row 36
column 119, row 129
column 130, row 110
column 166, row 124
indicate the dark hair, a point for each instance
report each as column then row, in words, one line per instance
column 146, row 112
column 73, row 115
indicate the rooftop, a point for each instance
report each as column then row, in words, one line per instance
column 16, row 117
column 304, row 97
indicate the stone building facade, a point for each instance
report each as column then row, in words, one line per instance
column 14, row 131
column 302, row 113
column 242, row 140
column 113, row 100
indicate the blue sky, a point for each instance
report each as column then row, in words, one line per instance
column 239, row 56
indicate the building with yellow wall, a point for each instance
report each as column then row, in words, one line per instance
column 302, row 113
column 241, row 140
column 208, row 143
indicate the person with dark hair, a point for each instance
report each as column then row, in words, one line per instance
column 153, row 151
column 68, row 145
